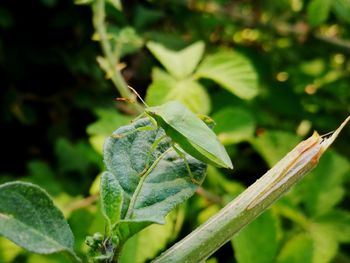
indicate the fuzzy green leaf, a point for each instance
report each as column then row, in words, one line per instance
column 232, row 71
column 180, row 64
column 165, row 187
column 29, row 218
column 111, row 198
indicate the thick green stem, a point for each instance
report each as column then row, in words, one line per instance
column 99, row 16
column 219, row 229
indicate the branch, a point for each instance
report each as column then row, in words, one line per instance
column 300, row 30
column 337, row 42
column 220, row 228
column 99, row 16
column 82, row 203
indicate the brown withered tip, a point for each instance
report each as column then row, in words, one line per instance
column 124, row 100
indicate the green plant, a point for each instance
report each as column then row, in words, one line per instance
column 134, row 194
column 210, row 60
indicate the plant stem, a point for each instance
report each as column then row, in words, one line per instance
column 220, row 228
column 99, row 16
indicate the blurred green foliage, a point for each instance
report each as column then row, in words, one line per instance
column 268, row 72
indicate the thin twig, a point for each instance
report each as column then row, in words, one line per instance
column 99, row 17
column 301, row 30
column 209, row 196
column 82, row 203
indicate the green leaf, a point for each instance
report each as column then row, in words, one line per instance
column 145, row 17
column 29, row 218
column 111, row 195
column 180, row 64
column 165, row 88
column 273, row 145
column 298, row 249
column 337, row 223
column 155, row 195
column 81, row 152
column 325, row 245
column 97, row 142
column 323, row 188
column 41, row 174
column 83, row 2
column 318, row 11
column 232, row 71
column 8, row 250
column 257, row 242
column 116, row 3
column 126, row 40
column 123, row 40
column 234, row 124
column 191, row 133
column 146, row 244
column 341, row 9
column 107, row 120
column 80, row 221
column 219, row 183
column 53, row 258
column 207, row 212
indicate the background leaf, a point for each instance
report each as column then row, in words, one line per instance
column 323, row 188
column 257, row 242
column 273, row 145
column 338, row 223
column 107, row 120
column 29, row 218
column 146, row 244
column 232, row 71
column 188, row 91
column 116, row 4
column 300, row 248
column 341, row 9
column 234, row 124
column 9, row 250
column 325, row 245
column 318, row 11
column 180, row 64
column 300, row 89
